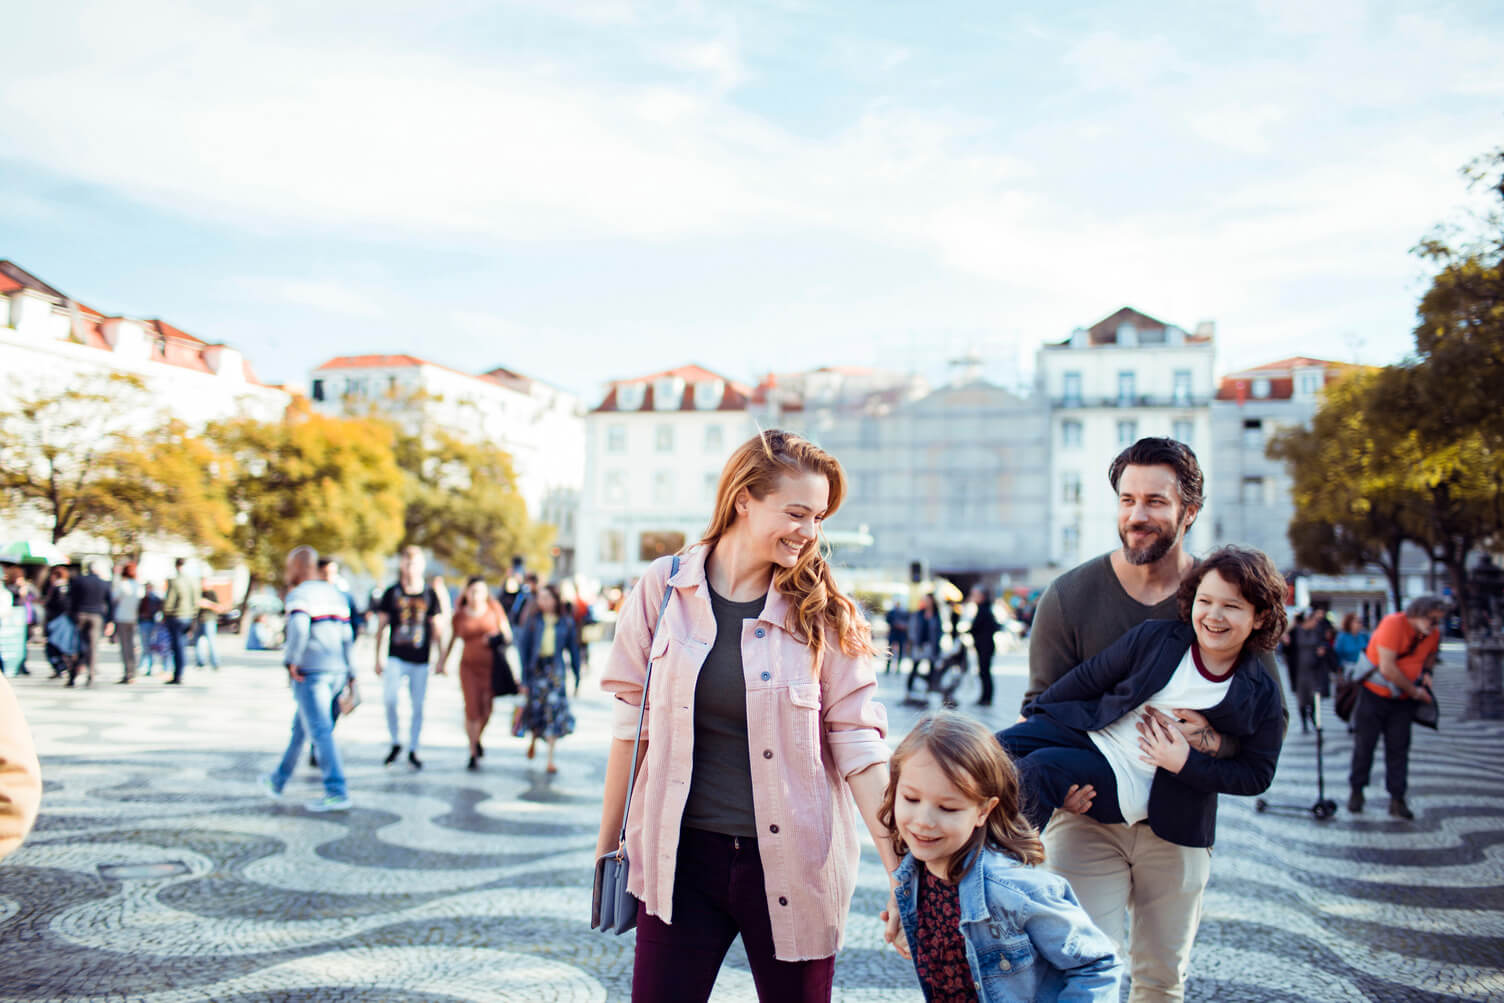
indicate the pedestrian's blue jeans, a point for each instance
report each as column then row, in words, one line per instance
column 314, row 720
column 204, row 633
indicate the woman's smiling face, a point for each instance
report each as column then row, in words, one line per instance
column 788, row 520
column 1222, row 618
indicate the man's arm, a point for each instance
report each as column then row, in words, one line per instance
column 1052, row 647
column 1389, row 668
column 382, row 623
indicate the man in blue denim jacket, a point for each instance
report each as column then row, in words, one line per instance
column 1027, row 938
column 317, row 655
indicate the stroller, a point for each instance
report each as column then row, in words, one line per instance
column 944, row 677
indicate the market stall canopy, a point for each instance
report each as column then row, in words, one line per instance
column 32, row 552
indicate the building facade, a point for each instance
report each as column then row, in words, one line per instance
column 654, row 449
column 540, row 426
column 1250, row 497
column 52, row 343
column 1126, row 377
column 955, row 481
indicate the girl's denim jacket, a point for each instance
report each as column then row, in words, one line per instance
column 1027, row 938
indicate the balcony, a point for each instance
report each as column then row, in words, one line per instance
column 1176, row 401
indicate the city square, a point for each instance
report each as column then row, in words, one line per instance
column 1121, row 383
column 159, row 871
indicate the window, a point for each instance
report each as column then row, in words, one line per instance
column 616, row 486
column 668, row 393
column 1253, row 433
column 629, row 396
column 391, row 386
column 318, row 390
column 1183, row 428
column 1070, row 434
column 1308, row 382
column 663, row 438
column 1260, row 388
column 1125, row 387
column 355, row 387
column 869, row 433
column 611, row 546
column 1127, row 433
column 1182, row 386
column 1253, row 491
column 1072, row 393
column 653, row 545
column 714, row 437
column 708, row 394
column 867, row 486
column 709, row 485
column 1070, row 540
column 616, row 438
column 663, row 487
column 1070, row 487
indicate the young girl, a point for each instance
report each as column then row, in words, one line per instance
column 981, row 921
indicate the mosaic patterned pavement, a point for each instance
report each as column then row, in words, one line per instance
column 160, row 872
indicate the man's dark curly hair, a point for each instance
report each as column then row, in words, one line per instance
column 1153, row 452
column 1256, row 577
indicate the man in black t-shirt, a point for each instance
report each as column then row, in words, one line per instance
column 410, row 611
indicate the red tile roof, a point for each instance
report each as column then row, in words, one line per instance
column 1239, row 386
column 734, row 397
column 9, row 285
column 375, row 362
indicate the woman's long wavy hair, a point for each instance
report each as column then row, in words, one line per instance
column 971, row 758
column 818, row 610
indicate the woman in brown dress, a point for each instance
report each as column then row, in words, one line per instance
column 476, row 620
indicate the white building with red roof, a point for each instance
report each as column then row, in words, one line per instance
column 654, row 448
column 1126, row 377
column 50, row 338
column 541, row 426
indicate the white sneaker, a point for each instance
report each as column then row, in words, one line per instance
column 329, row 803
column 268, row 785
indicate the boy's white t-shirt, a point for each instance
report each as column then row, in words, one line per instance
column 1191, row 687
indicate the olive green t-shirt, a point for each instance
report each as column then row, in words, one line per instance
column 720, row 786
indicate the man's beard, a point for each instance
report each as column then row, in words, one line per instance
column 1155, row 549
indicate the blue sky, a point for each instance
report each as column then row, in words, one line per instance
column 595, row 190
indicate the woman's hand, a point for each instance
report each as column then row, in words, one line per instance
column 1162, row 744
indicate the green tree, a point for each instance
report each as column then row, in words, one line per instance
column 462, row 505
column 1348, row 513
column 332, row 483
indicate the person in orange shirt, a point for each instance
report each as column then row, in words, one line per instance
column 1400, row 655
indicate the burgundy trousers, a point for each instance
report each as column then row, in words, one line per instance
column 718, row 893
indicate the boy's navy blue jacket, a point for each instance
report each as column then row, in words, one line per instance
column 1121, row 678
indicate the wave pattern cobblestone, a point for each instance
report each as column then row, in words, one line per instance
column 449, row 885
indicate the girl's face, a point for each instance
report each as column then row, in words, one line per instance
column 787, row 521
column 476, row 595
column 1222, row 618
column 934, row 817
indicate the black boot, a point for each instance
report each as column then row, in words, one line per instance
column 391, row 757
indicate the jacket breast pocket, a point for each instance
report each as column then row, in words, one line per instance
column 1007, row 958
column 804, row 718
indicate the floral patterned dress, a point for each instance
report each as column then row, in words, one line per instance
column 547, row 714
column 940, row 955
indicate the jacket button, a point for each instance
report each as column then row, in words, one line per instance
column 767, row 753
column 773, row 829
column 766, row 676
column 1005, row 965
column 782, row 900
column 759, row 632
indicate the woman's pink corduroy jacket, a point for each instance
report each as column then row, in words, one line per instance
column 805, row 736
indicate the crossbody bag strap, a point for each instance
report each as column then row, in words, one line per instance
column 1414, row 643
column 642, row 708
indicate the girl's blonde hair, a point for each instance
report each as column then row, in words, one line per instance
column 971, row 758
column 816, row 604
